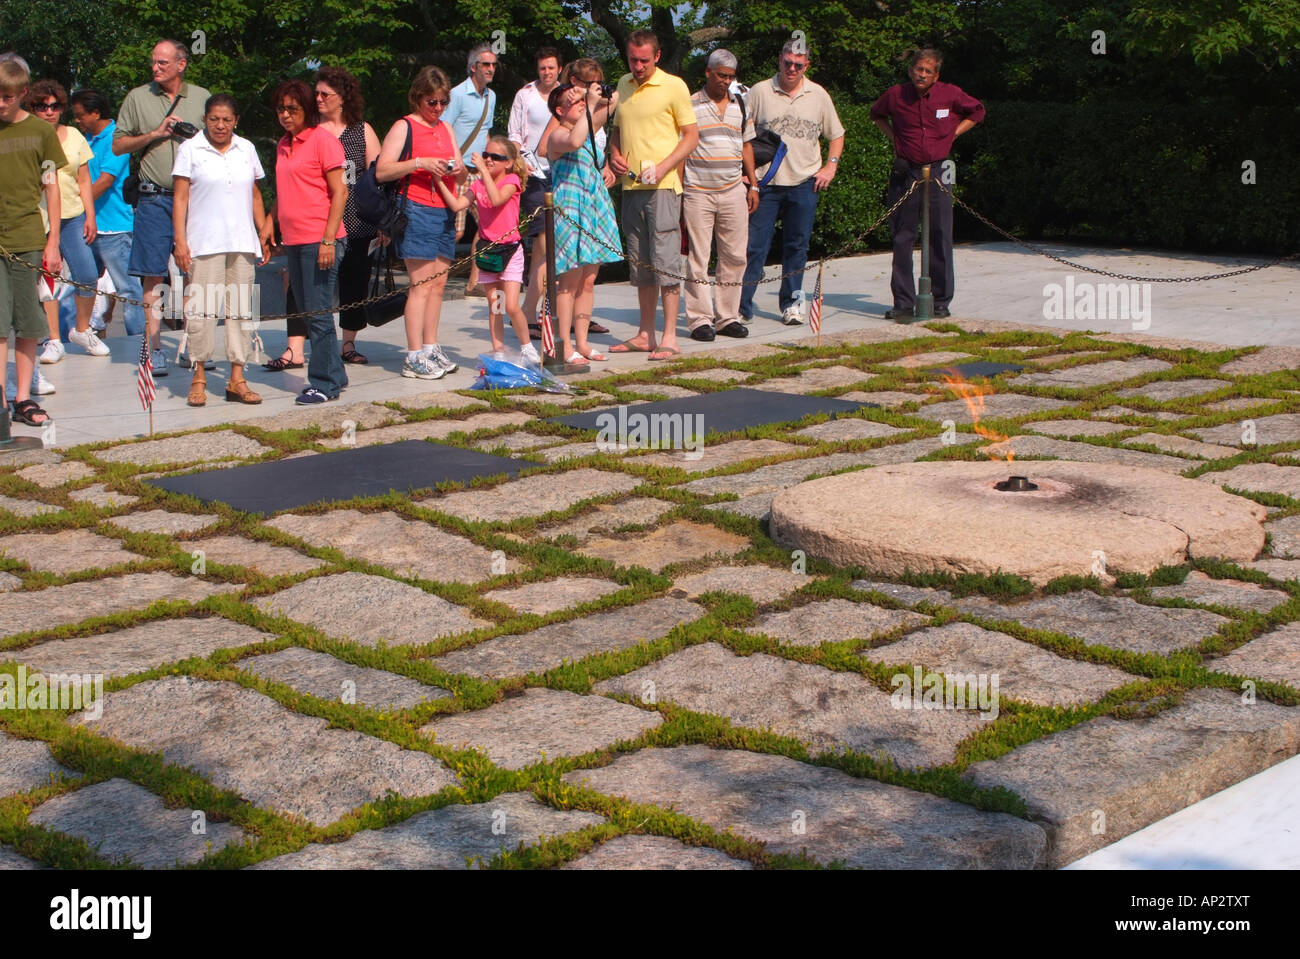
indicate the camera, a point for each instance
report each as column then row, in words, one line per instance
column 182, row 131
column 606, row 91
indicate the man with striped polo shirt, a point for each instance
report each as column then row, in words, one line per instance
column 717, row 202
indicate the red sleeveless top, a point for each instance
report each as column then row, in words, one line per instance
column 430, row 142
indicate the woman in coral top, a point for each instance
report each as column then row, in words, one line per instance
column 429, row 243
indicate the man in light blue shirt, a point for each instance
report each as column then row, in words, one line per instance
column 113, row 215
column 470, row 125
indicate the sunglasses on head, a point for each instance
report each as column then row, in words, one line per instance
column 495, row 156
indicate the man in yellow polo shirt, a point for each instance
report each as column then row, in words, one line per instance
column 654, row 131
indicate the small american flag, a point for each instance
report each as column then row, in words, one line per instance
column 815, row 311
column 548, row 334
column 144, row 374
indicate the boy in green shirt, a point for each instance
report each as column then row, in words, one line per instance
column 29, row 156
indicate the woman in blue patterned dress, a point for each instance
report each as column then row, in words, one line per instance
column 580, row 192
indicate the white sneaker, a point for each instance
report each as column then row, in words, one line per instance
column 40, row 385
column 529, row 354
column 159, row 360
column 422, row 368
column 97, row 323
column 438, row 358
column 89, row 342
column 51, row 351
column 792, row 316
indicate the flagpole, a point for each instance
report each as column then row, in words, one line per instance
column 821, row 265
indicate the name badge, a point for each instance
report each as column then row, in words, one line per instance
column 940, row 114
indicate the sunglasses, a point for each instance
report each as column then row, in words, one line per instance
column 321, row 94
column 495, row 156
column 289, row 109
column 436, row 103
column 52, row 105
column 791, row 65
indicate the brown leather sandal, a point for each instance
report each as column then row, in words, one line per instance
column 198, row 388
column 237, row 388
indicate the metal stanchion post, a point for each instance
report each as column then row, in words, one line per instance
column 924, row 297
column 10, row 443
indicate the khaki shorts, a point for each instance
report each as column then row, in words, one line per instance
column 652, row 225
column 20, row 309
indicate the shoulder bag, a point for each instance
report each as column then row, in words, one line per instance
column 383, row 205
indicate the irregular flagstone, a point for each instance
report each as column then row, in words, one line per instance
column 1259, row 478
column 1199, row 588
column 1137, row 771
column 32, row 457
column 1281, row 569
column 9, row 581
column 569, row 451
column 654, row 852
column 255, row 554
column 330, row 418
column 886, row 332
column 1266, row 430
column 444, row 399
column 918, row 360
column 26, row 764
column 1115, row 412
column 541, row 725
column 548, row 647
column 125, row 822
column 1054, row 357
column 1181, row 444
column 971, row 657
column 1274, row 656
column 708, row 457
column 190, row 448
column 678, row 542
column 557, row 399
column 54, row 474
column 516, row 442
column 1269, row 359
column 1285, row 536
column 136, row 648
column 827, row 710
column 863, row 823
column 531, row 496
column 271, row 756
column 833, row 621
column 887, row 399
column 911, row 595
column 1113, row 621
column 369, row 609
column 26, row 507
column 1238, row 403
column 11, row 859
column 444, row 838
column 552, row 595
column 163, row 521
column 606, row 517
column 1161, row 391
column 665, row 390
column 59, row 605
column 849, row 429
column 101, row 495
column 428, row 429
column 720, row 374
column 408, row 547
column 326, row 677
column 994, row 406
column 1095, row 374
column 763, row 584
column 1064, row 428
column 732, row 354
column 815, row 378
column 758, row 506
column 1082, row 453
column 66, row 551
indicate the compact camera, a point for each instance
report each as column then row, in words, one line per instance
column 182, row 131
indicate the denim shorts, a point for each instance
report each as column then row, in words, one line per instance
column 151, row 243
column 430, row 233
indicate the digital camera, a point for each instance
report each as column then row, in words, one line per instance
column 182, row 131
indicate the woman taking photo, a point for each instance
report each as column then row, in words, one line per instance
column 309, row 202
column 217, row 215
column 429, row 243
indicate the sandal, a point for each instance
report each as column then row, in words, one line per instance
column 280, row 364
column 594, row 327
column 576, row 359
column 672, row 352
column 595, row 357
column 350, row 355
column 26, row 410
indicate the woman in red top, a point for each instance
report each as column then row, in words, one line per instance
column 429, row 244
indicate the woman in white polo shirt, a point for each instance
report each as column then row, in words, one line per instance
column 218, row 215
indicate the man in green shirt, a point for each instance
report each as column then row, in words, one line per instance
column 29, row 156
column 144, row 126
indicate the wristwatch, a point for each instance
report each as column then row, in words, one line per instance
column 326, row 242
column 833, row 160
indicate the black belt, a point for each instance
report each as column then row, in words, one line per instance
column 149, row 187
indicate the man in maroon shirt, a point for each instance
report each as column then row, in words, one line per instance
column 921, row 119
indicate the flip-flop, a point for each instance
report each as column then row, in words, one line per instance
column 672, row 351
column 596, row 357
column 576, row 359
column 627, row 346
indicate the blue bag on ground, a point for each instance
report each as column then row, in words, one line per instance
column 498, row 373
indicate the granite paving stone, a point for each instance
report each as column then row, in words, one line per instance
column 910, row 595
column 516, row 442
column 556, row 399
column 1280, row 569
column 1259, row 478
column 10, row 859
column 1115, row 412
column 190, row 448
column 762, row 584
column 1269, row 359
column 654, row 852
column 60, row 605
column 678, row 542
column 1285, row 536
column 446, row 838
column 1274, row 656
column 26, row 764
column 437, row 429
column 246, row 742
column 164, row 521
column 1199, row 588
column 606, row 517
column 541, row 725
column 548, row 647
column 720, row 374
column 330, row 418
column 758, row 506
column 1162, row 391
column 329, row 678
column 66, row 551
column 408, row 547
column 136, row 648
column 1095, row 374
column 1268, row 430
column 963, row 651
column 863, row 823
column 839, row 430
column 1056, row 357
column 1064, row 428
column 886, row 399
column 1181, row 444
column 833, row 621
column 8, row 581
column 50, row 475
column 445, row 399
column 920, row 360
column 1238, row 403
column 665, row 390
column 531, row 496
column 569, row 451
column 1114, row 621
column 100, row 495
column 552, row 595
column 828, row 710
column 1137, row 771
column 712, row 456
column 26, row 507
column 1081, row 452
column 255, row 554
column 125, row 822
column 815, row 378
column 994, row 406
column 369, row 609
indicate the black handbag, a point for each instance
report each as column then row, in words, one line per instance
column 382, row 283
column 131, row 182
column 495, row 258
column 383, row 205
column 767, row 145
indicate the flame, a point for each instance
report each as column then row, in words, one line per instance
column 972, row 394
